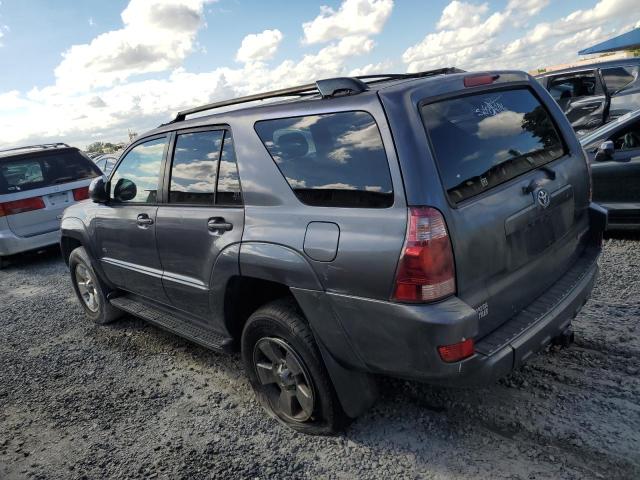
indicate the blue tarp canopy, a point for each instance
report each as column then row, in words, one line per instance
column 626, row 41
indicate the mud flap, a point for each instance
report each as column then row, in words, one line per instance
column 357, row 391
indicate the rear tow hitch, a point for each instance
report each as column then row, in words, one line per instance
column 565, row 339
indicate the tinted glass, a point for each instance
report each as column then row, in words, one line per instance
column 331, row 160
column 195, row 167
column 228, row 182
column 578, row 85
column 628, row 138
column 480, row 141
column 618, row 77
column 141, row 166
column 42, row 171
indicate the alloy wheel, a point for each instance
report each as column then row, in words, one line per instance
column 284, row 378
column 87, row 287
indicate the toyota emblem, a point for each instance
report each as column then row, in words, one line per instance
column 543, row 198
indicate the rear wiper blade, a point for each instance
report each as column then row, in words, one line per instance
column 62, row 180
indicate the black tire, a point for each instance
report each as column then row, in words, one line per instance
column 281, row 325
column 3, row 263
column 104, row 312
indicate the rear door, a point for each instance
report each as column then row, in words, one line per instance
column 202, row 216
column 517, row 197
column 50, row 181
column 582, row 97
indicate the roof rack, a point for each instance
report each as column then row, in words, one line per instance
column 326, row 88
column 32, row 147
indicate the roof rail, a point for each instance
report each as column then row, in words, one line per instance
column 326, row 88
column 42, row 146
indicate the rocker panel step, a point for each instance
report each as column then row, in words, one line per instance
column 173, row 323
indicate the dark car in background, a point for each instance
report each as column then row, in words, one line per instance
column 434, row 226
column 37, row 183
column 614, row 152
column 592, row 95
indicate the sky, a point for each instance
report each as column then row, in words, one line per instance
column 80, row 72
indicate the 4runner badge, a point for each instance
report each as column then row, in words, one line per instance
column 483, row 310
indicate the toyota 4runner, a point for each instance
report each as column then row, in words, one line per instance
column 433, row 226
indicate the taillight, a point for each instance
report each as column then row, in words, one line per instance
column 21, row 206
column 457, row 351
column 81, row 193
column 426, row 271
column 476, row 80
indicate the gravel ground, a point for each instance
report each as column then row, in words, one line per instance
column 129, row 400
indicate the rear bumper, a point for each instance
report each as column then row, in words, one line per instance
column 623, row 216
column 401, row 340
column 11, row 244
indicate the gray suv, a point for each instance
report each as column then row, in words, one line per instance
column 433, row 226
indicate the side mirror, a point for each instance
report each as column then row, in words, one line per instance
column 125, row 190
column 605, row 151
column 98, row 190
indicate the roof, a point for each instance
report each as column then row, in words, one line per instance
column 327, row 88
column 34, row 149
column 626, row 41
column 591, row 66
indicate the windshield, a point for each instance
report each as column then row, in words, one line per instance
column 483, row 140
column 28, row 173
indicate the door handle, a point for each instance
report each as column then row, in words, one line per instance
column 144, row 220
column 218, row 224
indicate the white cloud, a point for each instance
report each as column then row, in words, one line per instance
column 504, row 124
column 259, row 46
column 157, row 35
column 354, row 17
column 480, row 46
column 461, row 14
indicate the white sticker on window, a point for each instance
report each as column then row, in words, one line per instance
column 490, row 107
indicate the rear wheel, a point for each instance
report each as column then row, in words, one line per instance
column 287, row 372
column 90, row 291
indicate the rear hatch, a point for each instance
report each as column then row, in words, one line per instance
column 36, row 188
column 517, row 197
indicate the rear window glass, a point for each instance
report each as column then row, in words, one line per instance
column 333, row 160
column 483, row 140
column 29, row 173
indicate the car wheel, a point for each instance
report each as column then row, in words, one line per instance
column 90, row 291
column 286, row 370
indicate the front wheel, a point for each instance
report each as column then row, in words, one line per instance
column 286, row 370
column 90, row 291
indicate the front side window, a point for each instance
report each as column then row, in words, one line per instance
column 335, row 159
column 480, row 141
column 617, row 78
column 628, row 138
column 137, row 177
column 195, row 167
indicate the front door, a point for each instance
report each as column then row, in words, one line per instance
column 126, row 226
column 201, row 217
column 616, row 182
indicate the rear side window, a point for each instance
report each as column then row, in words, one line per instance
column 333, row 160
column 195, row 167
column 52, row 169
column 480, row 141
column 618, row 77
column 579, row 85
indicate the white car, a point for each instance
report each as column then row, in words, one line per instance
column 36, row 184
